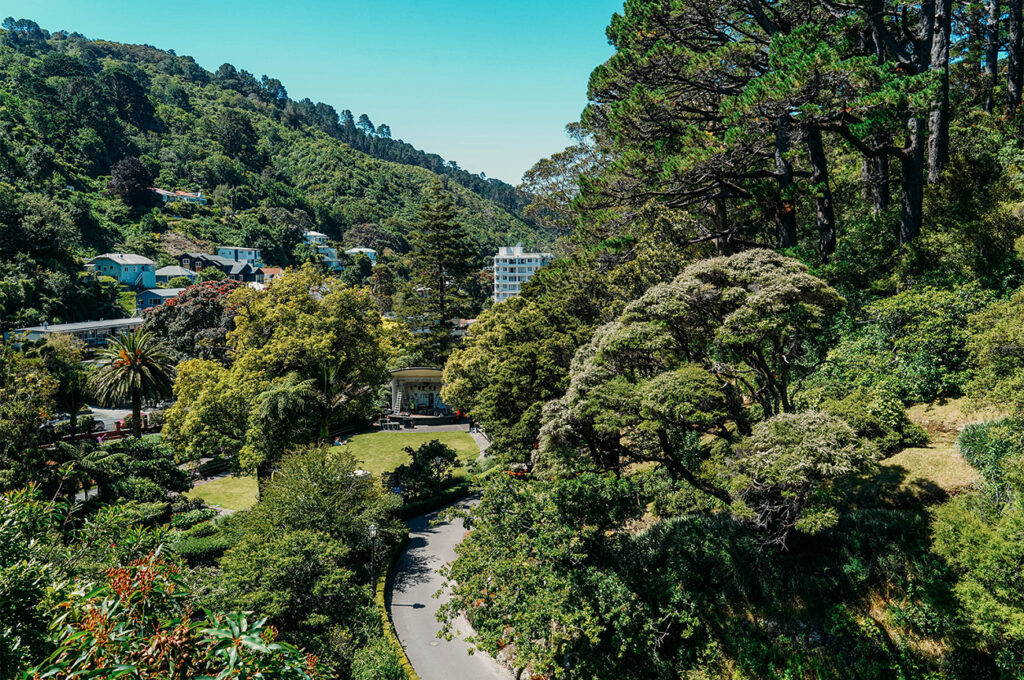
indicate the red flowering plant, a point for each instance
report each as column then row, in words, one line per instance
column 141, row 624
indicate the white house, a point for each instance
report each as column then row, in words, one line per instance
column 131, row 270
column 329, row 254
column 513, row 268
column 250, row 255
column 179, row 196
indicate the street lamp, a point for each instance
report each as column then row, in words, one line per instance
column 373, row 555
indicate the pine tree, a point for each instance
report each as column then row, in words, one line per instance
column 441, row 262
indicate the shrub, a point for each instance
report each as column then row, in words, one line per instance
column 377, row 661
column 183, row 503
column 988, row 446
column 147, row 513
column 138, row 489
column 878, row 415
column 188, row 519
column 916, row 340
column 203, row 550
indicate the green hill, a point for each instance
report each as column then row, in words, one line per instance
column 70, row 108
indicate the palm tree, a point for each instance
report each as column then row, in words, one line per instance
column 336, row 390
column 133, row 366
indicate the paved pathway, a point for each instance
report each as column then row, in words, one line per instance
column 413, row 607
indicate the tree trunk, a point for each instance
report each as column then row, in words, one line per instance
column 1014, row 48
column 723, row 243
column 880, row 194
column 991, row 53
column 136, row 414
column 912, row 179
column 938, row 117
column 785, row 214
column 825, row 213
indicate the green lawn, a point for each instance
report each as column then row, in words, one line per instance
column 382, row 451
column 233, row 493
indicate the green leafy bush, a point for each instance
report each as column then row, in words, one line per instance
column 915, row 342
column 989, row 446
column 203, row 550
column 878, row 414
column 188, row 519
column 138, row 489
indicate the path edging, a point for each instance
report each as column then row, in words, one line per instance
column 380, row 599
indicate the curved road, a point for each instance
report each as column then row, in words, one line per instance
column 413, row 607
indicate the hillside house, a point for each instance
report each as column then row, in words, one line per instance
column 250, row 255
column 91, row 333
column 236, row 270
column 154, row 297
column 329, row 253
column 369, row 252
column 165, row 274
column 179, row 196
column 271, row 273
column 130, row 270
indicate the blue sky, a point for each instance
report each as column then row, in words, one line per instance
column 486, row 83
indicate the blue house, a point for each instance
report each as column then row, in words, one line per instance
column 329, row 253
column 154, row 297
column 131, row 270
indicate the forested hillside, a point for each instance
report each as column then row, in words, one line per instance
column 72, row 108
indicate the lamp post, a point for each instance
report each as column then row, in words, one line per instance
column 373, row 556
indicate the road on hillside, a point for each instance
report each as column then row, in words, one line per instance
column 413, row 607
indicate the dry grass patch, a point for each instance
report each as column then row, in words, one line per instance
column 938, row 470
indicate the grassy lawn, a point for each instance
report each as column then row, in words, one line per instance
column 382, row 451
column 932, row 472
column 233, row 493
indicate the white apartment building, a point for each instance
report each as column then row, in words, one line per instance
column 513, row 268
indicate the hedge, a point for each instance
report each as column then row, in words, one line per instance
column 380, row 600
column 204, row 550
column 446, row 497
column 190, row 518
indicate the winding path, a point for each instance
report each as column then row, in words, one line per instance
column 413, row 607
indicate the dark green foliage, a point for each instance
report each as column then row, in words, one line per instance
column 913, row 344
column 136, row 469
column 426, row 474
column 199, row 550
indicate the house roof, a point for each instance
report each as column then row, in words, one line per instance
column 184, row 194
column 237, row 266
column 315, row 234
column 82, row 326
column 272, row 270
column 123, row 258
column 174, row 270
column 427, row 372
column 166, row 293
column 251, row 250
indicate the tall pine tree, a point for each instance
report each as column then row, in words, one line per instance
column 441, row 262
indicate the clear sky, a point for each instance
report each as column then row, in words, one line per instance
column 487, row 83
